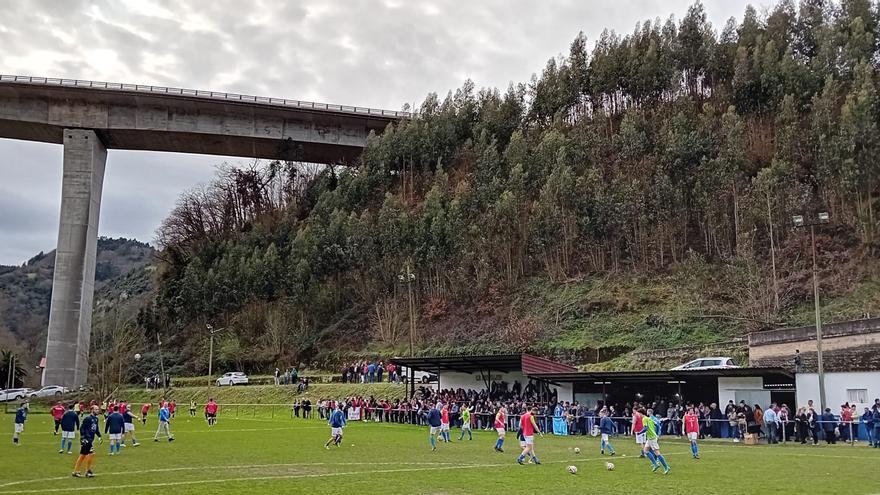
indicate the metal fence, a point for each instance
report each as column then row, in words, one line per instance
column 197, row 93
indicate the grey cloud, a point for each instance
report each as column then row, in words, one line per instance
column 361, row 52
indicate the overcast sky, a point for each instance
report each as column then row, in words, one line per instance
column 370, row 53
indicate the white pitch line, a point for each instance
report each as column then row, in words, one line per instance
column 244, row 466
column 297, row 476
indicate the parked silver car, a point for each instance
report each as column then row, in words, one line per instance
column 233, row 378
column 50, row 391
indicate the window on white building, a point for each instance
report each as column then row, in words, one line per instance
column 857, row 395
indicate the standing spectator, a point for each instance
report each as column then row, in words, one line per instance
column 759, row 421
column 733, row 424
column 797, row 361
column 379, row 371
column 868, row 420
column 813, row 423
column 876, row 426
column 277, row 376
column 846, row 417
column 803, row 425
column 828, row 426
column 771, row 421
column 716, row 419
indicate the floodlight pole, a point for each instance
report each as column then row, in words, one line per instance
column 798, row 220
column 211, row 331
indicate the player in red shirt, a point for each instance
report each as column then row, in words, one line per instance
column 692, row 429
column 211, row 412
column 57, row 412
column 500, row 427
column 172, row 407
column 144, row 410
column 638, row 425
column 529, row 426
column 444, row 424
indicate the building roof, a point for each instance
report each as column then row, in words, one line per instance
column 661, row 376
column 505, row 363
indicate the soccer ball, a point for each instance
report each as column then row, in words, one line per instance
column 573, row 469
column 577, row 450
column 609, row 466
column 137, row 357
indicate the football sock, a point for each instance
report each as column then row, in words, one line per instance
column 433, row 444
column 652, row 457
column 662, row 461
column 63, row 440
column 609, row 447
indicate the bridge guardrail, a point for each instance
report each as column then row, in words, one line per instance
column 198, row 93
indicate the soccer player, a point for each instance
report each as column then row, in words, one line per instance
column 57, row 412
column 336, row 422
column 115, row 426
column 651, row 429
column 87, row 431
column 529, row 426
column 434, row 422
column 606, row 429
column 211, row 412
column 692, row 429
column 69, row 425
column 164, row 418
column 172, row 408
column 192, row 408
column 128, row 419
column 638, row 425
column 20, row 417
column 500, row 427
column 145, row 409
column 466, row 423
column 444, row 423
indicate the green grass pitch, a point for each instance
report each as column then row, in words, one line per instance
column 254, row 454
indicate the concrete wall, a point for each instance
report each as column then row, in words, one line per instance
column 847, row 346
column 836, row 385
column 728, row 385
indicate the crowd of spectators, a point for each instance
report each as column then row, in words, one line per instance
column 773, row 424
column 370, row 372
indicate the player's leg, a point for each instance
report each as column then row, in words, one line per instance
column 662, row 460
column 431, row 438
column 90, row 459
column 63, row 440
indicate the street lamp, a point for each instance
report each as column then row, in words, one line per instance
column 212, row 331
column 408, row 276
column 800, row 222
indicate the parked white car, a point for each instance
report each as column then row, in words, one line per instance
column 708, row 363
column 233, row 378
column 50, row 391
column 15, row 394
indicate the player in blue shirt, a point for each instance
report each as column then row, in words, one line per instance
column 606, row 429
column 69, row 425
column 164, row 418
column 20, row 417
column 129, row 419
column 89, row 428
column 336, row 422
column 115, row 426
column 434, row 422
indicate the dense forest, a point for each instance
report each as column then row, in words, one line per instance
column 676, row 153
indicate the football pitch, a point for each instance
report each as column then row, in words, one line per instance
column 283, row 455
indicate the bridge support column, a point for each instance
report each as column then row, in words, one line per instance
column 70, row 314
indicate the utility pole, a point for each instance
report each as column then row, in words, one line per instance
column 798, row 220
column 408, row 276
column 161, row 362
column 212, row 331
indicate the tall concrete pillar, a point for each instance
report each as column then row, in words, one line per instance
column 73, row 285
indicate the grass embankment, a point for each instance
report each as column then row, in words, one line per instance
column 264, row 394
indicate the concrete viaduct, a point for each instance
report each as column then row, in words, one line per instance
column 89, row 117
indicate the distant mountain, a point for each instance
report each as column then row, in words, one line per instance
column 123, row 267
